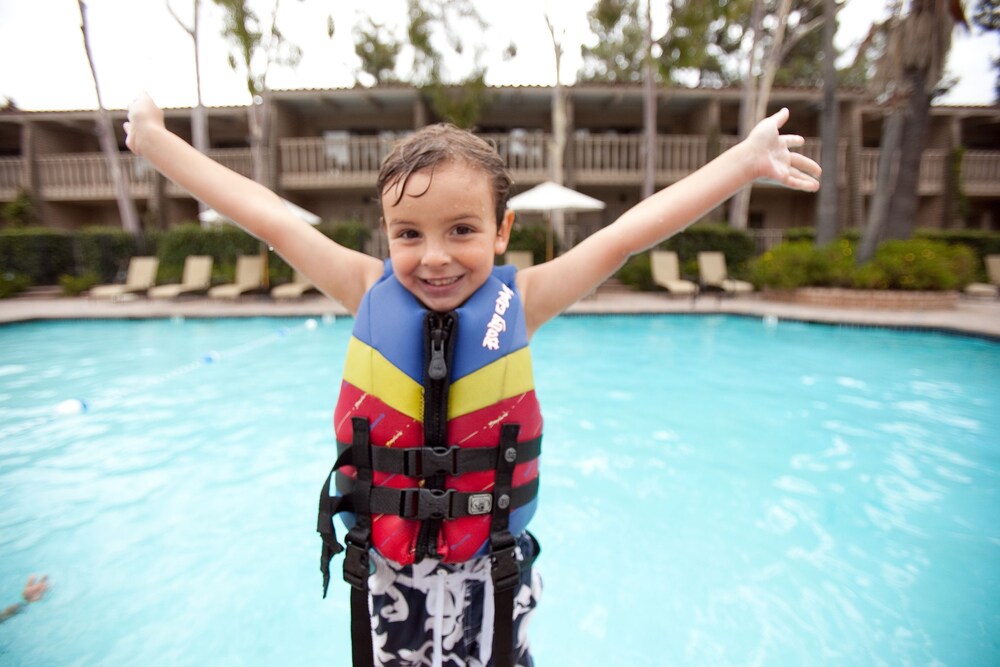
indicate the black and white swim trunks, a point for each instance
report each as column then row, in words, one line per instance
column 435, row 614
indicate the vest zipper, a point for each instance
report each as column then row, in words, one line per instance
column 439, row 336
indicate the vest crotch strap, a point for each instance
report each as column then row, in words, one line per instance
column 357, row 560
column 506, row 572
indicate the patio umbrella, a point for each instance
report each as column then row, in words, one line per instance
column 550, row 197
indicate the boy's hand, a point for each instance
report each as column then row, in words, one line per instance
column 143, row 115
column 35, row 589
column 774, row 162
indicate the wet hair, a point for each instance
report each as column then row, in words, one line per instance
column 439, row 144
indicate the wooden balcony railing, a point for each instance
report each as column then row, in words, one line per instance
column 318, row 163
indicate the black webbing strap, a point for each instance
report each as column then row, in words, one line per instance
column 329, row 504
column 358, row 541
column 423, row 503
column 454, row 460
column 506, row 572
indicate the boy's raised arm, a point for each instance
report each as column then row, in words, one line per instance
column 550, row 288
column 339, row 272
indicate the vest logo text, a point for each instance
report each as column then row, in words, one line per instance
column 498, row 324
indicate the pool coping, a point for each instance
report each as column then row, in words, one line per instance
column 976, row 317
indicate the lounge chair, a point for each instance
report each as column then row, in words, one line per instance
column 992, row 288
column 667, row 273
column 713, row 275
column 249, row 278
column 140, row 277
column 295, row 289
column 196, row 279
column 522, row 259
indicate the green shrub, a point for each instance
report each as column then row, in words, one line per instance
column 104, row 252
column 637, row 273
column 76, row 285
column 39, row 253
column 351, row 234
column 13, row 283
column 21, row 212
column 531, row 238
column 735, row 244
column 800, row 263
column 918, row 264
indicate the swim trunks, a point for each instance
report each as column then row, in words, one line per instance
column 435, row 614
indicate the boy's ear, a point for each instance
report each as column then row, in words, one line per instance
column 503, row 233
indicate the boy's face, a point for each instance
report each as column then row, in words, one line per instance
column 443, row 234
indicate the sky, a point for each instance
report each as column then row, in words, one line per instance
column 138, row 46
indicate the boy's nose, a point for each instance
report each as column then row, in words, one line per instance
column 436, row 255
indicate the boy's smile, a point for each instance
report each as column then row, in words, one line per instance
column 443, row 233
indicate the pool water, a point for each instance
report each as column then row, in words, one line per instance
column 716, row 491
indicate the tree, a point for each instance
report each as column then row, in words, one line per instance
column 827, row 210
column 987, row 17
column 703, row 40
column 907, row 74
column 619, row 53
column 378, row 51
column 109, row 146
column 199, row 119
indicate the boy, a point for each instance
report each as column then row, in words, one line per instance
column 437, row 423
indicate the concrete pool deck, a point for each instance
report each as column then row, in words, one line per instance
column 968, row 316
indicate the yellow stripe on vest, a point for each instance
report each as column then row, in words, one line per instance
column 506, row 377
column 365, row 366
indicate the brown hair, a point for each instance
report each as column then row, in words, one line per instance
column 437, row 144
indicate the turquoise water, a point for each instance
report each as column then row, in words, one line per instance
column 716, row 491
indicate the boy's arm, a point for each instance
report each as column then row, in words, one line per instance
column 548, row 289
column 337, row 271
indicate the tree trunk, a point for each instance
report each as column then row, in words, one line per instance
column 649, row 102
column 827, row 217
column 885, row 183
column 739, row 205
column 109, row 146
column 905, row 196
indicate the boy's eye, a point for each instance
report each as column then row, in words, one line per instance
column 464, row 229
column 409, row 234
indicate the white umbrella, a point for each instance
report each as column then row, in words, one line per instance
column 210, row 215
column 550, row 197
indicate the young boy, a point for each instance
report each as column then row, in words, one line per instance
column 437, row 424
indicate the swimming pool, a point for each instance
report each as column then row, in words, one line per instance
column 717, row 491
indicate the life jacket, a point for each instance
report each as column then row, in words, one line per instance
column 439, row 432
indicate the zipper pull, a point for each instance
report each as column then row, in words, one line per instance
column 437, row 369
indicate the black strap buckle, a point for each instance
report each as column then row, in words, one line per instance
column 506, row 571
column 425, row 504
column 428, row 461
column 357, row 561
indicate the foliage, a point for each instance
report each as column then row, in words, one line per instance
column 39, row 253
column 249, row 40
column 351, row 234
column 704, row 37
column 637, row 273
column 104, row 252
column 76, row 285
column 987, row 17
column 529, row 237
column 735, row 244
column 13, row 283
column 915, row 264
column 617, row 56
column 20, row 212
column 378, row 51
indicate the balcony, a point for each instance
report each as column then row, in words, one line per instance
column 353, row 162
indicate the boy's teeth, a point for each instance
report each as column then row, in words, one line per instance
column 440, row 282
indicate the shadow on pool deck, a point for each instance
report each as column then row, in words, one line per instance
column 971, row 316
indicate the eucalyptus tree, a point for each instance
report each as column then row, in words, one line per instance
column 109, row 146
column 987, row 17
column 907, row 75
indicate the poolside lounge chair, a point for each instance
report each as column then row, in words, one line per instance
column 293, row 290
column 992, row 288
column 196, row 279
column 667, row 274
column 522, row 259
column 713, row 275
column 249, row 278
column 140, row 277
